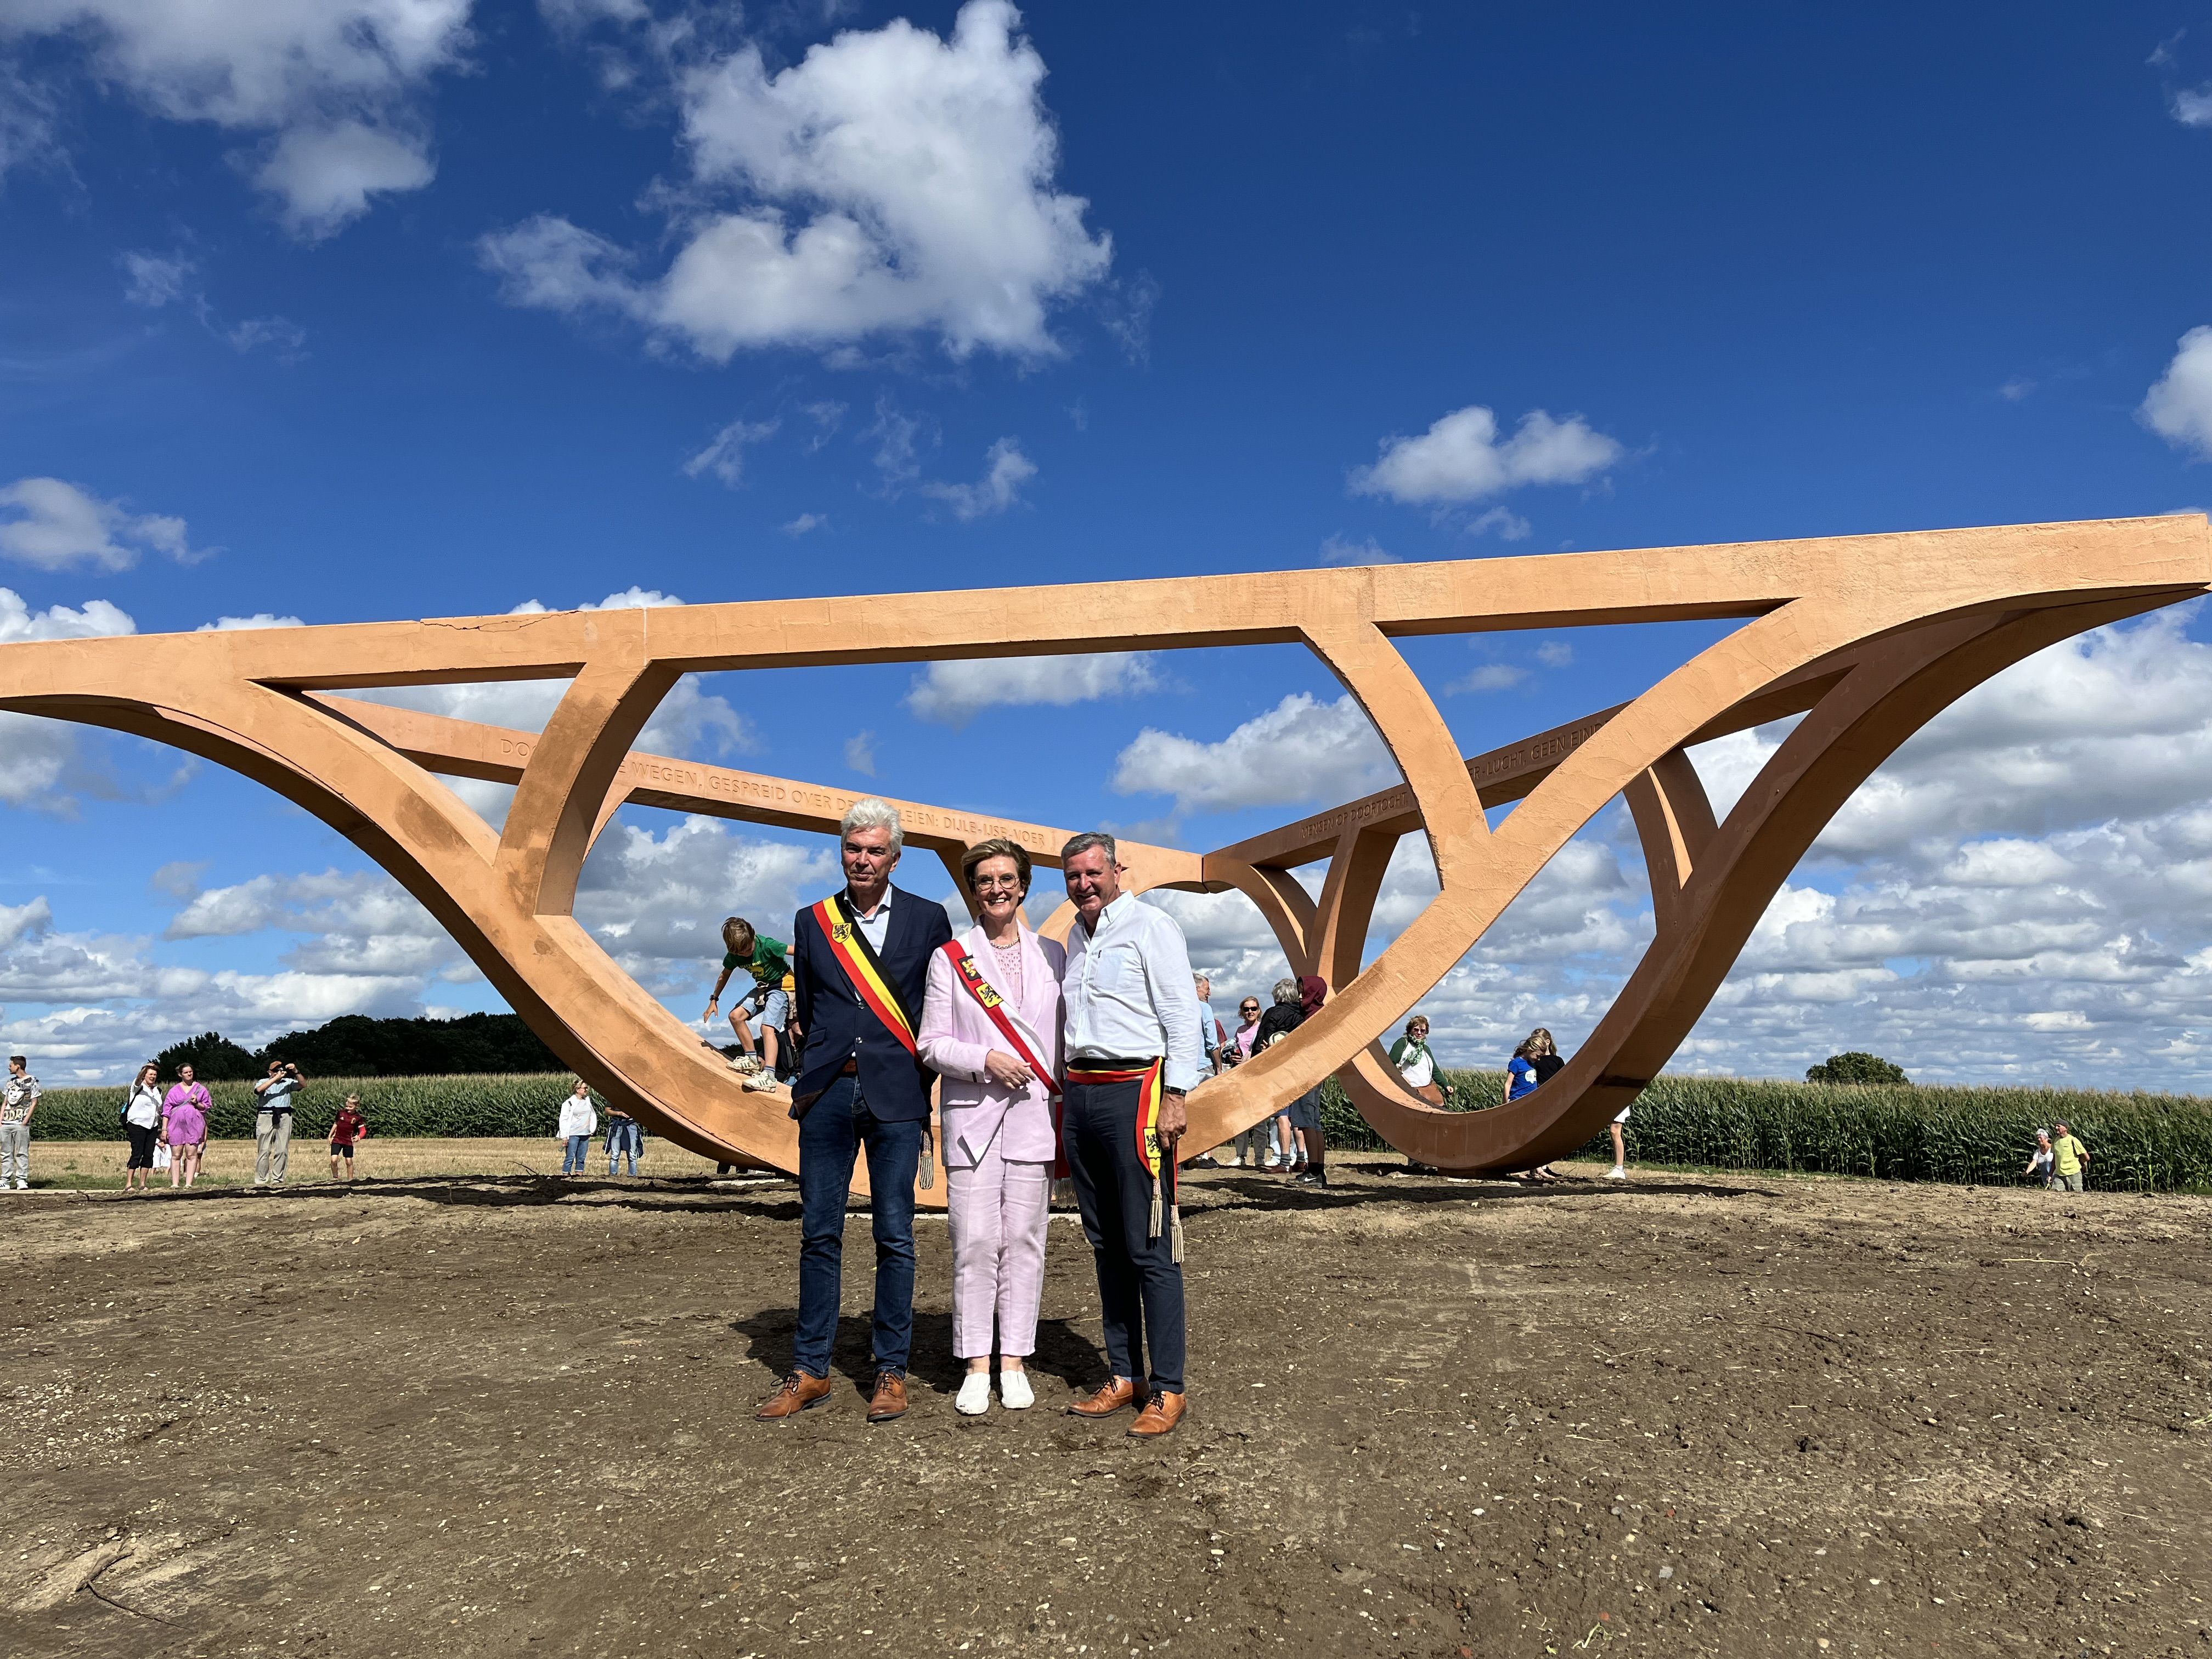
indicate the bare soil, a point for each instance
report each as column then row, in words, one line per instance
column 1689, row 1415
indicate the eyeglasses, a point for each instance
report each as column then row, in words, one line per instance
column 1249, row 1008
column 983, row 884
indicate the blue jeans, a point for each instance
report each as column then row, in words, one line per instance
column 831, row 1137
column 571, row 1159
column 624, row 1138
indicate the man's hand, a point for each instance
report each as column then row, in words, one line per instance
column 1006, row 1071
column 713, row 1007
column 1175, row 1116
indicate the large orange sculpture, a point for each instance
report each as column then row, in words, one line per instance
column 1867, row 636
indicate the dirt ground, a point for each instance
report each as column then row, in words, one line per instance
column 501, row 1414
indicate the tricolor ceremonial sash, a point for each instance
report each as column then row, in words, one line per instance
column 863, row 967
column 994, row 1006
column 1162, row 1169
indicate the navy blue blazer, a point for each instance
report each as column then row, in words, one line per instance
column 836, row 1022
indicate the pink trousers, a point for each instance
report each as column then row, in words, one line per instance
column 998, row 1213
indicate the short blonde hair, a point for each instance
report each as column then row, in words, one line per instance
column 997, row 847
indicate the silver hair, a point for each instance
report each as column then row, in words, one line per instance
column 1286, row 990
column 1197, row 980
column 1086, row 841
column 870, row 813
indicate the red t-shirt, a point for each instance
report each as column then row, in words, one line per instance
column 348, row 1127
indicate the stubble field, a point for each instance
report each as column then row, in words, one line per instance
column 471, row 1414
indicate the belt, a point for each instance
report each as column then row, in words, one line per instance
column 851, row 1067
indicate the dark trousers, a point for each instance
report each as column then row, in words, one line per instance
column 142, row 1145
column 1140, row 1281
column 831, row 1138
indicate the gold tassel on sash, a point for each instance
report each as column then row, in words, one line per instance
column 926, row 1166
column 1155, row 1232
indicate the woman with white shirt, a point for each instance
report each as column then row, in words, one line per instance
column 999, row 1082
column 142, row 1121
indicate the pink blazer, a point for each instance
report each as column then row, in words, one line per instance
column 956, row 1034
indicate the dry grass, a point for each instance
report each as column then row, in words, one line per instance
column 99, row 1163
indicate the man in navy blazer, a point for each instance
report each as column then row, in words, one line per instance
column 861, row 972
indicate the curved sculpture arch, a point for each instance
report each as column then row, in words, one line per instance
column 1867, row 637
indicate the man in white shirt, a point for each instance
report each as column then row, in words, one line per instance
column 1133, row 1054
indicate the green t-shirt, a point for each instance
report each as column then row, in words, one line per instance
column 2068, row 1152
column 767, row 966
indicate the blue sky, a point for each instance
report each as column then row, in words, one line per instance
column 365, row 309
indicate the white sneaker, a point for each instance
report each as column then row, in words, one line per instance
column 1618, row 1173
column 747, row 1063
column 1014, row 1392
column 975, row 1396
column 759, row 1082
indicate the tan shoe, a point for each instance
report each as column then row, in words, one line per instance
column 889, row 1400
column 1116, row 1394
column 1161, row 1413
column 799, row 1391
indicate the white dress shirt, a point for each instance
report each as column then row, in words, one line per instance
column 1128, row 991
column 876, row 928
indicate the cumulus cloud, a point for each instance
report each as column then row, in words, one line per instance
column 259, row 619
column 2179, row 408
column 1459, row 458
column 334, row 87
column 805, row 522
column 861, row 753
column 52, row 524
column 1301, row 750
column 2192, row 105
column 954, row 693
column 1005, row 469
column 891, row 182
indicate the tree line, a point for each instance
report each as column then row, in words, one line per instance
column 354, row 1045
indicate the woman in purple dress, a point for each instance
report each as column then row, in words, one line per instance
column 184, row 1127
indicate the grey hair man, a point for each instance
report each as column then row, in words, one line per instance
column 860, row 960
column 1133, row 1054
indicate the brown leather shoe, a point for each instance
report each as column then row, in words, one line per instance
column 799, row 1391
column 1161, row 1413
column 1119, row 1392
column 889, row 1400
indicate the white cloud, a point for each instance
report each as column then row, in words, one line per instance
column 1340, row 550
column 891, row 182
column 322, row 177
column 1459, row 459
column 1490, row 676
column 1509, row 525
column 805, row 522
column 53, row 526
column 2193, row 106
column 1005, row 469
column 954, row 693
column 338, row 84
column 38, row 757
column 1555, row 654
column 2179, row 408
column 861, row 753
column 259, row 619
column 1301, row 750
column 726, row 456
column 156, row 282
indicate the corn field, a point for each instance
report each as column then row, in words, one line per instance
column 489, row 1103
column 1968, row 1135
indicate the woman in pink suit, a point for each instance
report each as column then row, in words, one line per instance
column 995, row 1102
